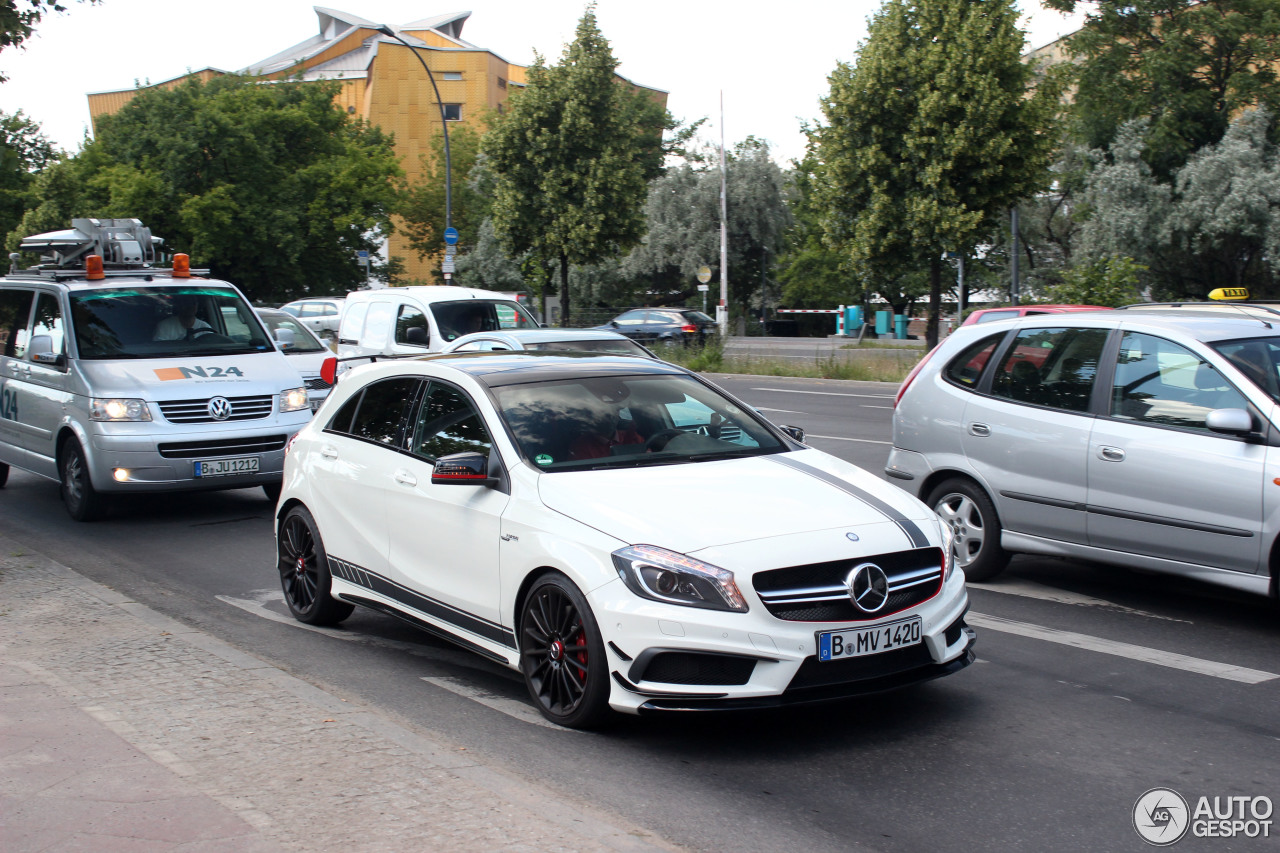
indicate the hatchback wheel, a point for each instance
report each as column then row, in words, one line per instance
column 304, row 572
column 965, row 508
column 562, row 655
column 82, row 500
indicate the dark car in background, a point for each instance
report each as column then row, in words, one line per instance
column 663, row 326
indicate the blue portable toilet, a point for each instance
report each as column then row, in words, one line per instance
column 852, row 320
column 884, row 319
column 900, row 326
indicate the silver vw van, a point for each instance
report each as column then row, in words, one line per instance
column 118, row 377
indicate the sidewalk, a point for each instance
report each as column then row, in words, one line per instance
column 122, row 729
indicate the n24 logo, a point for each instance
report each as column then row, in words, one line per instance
column 8, row 405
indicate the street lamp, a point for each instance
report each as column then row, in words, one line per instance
column 444, row 124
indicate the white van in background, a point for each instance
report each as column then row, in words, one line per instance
column 406, row 321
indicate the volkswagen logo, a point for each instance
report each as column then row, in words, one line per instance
column 868, row 587
column 219, row 408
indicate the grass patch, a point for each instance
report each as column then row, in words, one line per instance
column 892, row 365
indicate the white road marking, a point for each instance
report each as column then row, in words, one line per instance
column 1159, row 657
column 1028, row 589
column 783, row 411
column 842, row 438
column 521, row 711
column 825, row 393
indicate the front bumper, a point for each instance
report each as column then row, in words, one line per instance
column 712, row 660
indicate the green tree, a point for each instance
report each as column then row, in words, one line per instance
column 1109, row 280
column 930, row 137
column 272, row 186
column 24, row 152
column 485, row 265
column 1188, row 66
column 572, row 158
column 682, row 215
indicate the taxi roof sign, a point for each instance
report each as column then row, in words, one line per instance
column 1229, row 294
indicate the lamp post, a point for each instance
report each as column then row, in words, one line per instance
column 444, row 124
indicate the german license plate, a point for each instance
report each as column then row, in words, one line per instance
column 852, row 643
column 227, row 467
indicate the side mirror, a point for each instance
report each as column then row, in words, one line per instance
column 1230, row 421
column 462, row 469
column 794, row 432
column 285, row 338
column 417, row 336
column 613, row 323
column 41, row 350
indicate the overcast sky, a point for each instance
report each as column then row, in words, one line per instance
column 771, row 60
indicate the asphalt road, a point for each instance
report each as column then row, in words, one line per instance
column 1093, row 685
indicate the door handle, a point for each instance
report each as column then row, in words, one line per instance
column 329, row 452
column 1110, row 454
column 979, row 429
column 405, row 478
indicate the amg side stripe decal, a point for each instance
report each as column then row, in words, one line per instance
column 909, row 527
column 469, row 622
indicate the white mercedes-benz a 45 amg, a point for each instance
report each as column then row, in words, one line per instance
column 619, row 530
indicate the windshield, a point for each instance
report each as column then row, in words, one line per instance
column 455, row 319
column 610, row 422
column 164, row 322
column 1258, row 359
column 303, row 340
column 624, row 346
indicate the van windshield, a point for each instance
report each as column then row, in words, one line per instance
column 464, row 316
column 164, row 322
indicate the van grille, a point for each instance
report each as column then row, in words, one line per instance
column 228, row 447
column 197, row 411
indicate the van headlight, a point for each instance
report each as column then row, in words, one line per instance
column 672, row 578
column 112, row 409
column 293, row 400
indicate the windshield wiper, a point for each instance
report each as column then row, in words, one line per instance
column 639, row 461
column 731, row 454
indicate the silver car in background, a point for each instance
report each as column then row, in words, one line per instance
column 550, row 340
column 1147, row 437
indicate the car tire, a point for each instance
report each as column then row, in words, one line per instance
column 82, row 500
column 272, row 491
column 304, row 571
column 965, row 508
column 4, row 474
column 562, row 654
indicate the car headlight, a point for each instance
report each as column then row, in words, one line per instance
column 948, row 551
column 294, row 400
column 110, row 409
column 662, row 575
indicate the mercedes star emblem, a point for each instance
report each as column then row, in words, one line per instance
column 868, row 587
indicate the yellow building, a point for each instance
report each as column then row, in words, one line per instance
column 384, row 84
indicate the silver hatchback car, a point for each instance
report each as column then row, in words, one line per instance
column 1146, row 437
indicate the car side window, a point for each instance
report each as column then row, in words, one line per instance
column 448, row 423
column 412, row 328
column 992, row 316
column 1051, row 367
column 1160, row 382
column 378, row 414
column 48, row 325
column 15, row 318
column 631, row 318
column 966, row 368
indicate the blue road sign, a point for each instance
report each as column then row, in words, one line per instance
column 451, row 236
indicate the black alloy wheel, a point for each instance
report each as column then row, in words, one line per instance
column 82, row 500
column 562, row 655
column 304, row 572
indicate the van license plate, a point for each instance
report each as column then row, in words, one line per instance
column 227, row 467
column 834, row 645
